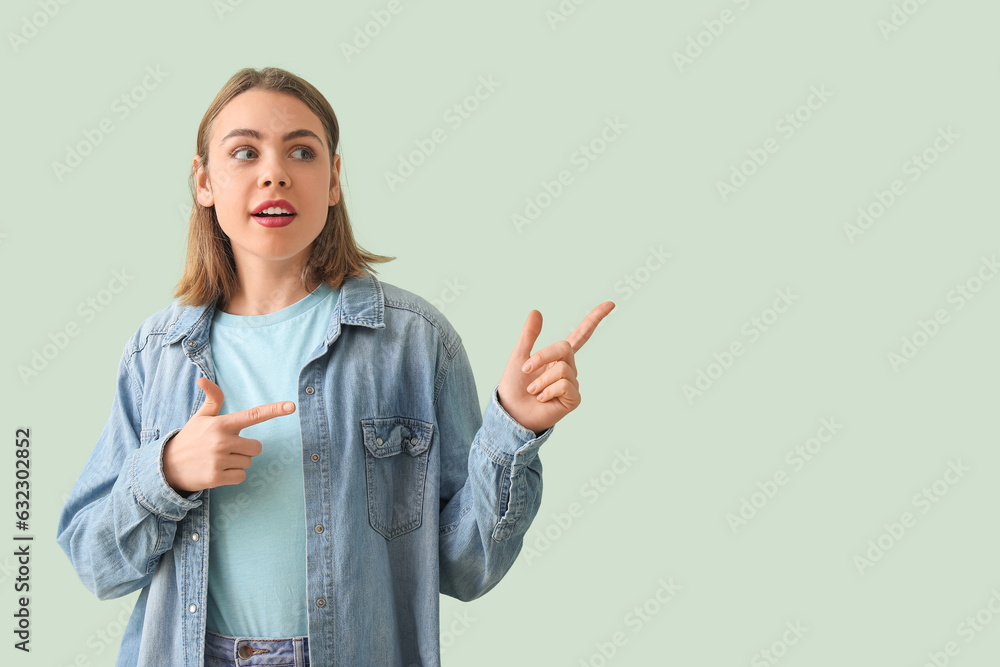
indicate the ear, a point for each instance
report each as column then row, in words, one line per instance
column 202, row 186
column 335, row 180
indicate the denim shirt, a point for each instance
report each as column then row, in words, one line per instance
column 390, row 422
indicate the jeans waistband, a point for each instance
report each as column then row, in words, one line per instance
column 257, row 652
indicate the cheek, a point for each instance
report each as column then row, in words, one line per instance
column 227, row 215
column 229, row 186
column 232, row 202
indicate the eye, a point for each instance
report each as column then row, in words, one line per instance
column 310, row 153
column 240, row 150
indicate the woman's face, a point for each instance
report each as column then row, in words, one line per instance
column 267, row 145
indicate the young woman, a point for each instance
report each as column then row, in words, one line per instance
column 317, row 428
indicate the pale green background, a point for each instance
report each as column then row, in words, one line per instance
column 665, row 516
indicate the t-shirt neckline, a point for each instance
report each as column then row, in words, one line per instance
column 300, row 307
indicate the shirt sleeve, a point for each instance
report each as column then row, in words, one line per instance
column 121, row 514
column 491, row 484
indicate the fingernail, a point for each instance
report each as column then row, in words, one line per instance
column 526, row 367
column 531, row 387
column 288, row 407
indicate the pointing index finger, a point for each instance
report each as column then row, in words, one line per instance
column 582, row 333
column 261, row 413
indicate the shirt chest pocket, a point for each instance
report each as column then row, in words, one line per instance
column 396, row 451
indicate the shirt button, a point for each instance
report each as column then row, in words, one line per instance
column 191, row 343
column 319, row 529
column 310, row 390
column 193, row 608
column 378, row 441
column 194, row 536
column 321, row 602
column 315, row 457
column 413, row 441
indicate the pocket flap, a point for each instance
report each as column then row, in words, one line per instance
column 387, row 436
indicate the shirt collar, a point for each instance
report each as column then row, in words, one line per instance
column 360, row 302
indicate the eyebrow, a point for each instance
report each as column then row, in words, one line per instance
column 246, row 132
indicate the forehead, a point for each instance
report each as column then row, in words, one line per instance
column 269, row 112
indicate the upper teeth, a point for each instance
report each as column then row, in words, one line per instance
column 274, row 210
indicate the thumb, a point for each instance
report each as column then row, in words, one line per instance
column 529, row 333
column 213, row 398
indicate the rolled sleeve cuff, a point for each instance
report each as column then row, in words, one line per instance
column 150, row 486
column 506, row 437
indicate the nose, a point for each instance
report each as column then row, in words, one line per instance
column 273, row 170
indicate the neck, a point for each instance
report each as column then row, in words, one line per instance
column 266, row 289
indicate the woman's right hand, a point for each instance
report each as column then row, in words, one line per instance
column 209, row 451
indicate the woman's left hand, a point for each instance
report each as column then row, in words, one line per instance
column 548, row 390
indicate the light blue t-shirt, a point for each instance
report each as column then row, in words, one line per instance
column 257, row 539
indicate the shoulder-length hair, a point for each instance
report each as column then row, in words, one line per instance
column 210, row 268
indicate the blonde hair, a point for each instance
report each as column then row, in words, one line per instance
column 210, row 268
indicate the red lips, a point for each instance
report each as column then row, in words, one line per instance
column 274, row 202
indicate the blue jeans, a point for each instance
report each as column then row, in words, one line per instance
column 223, row 651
